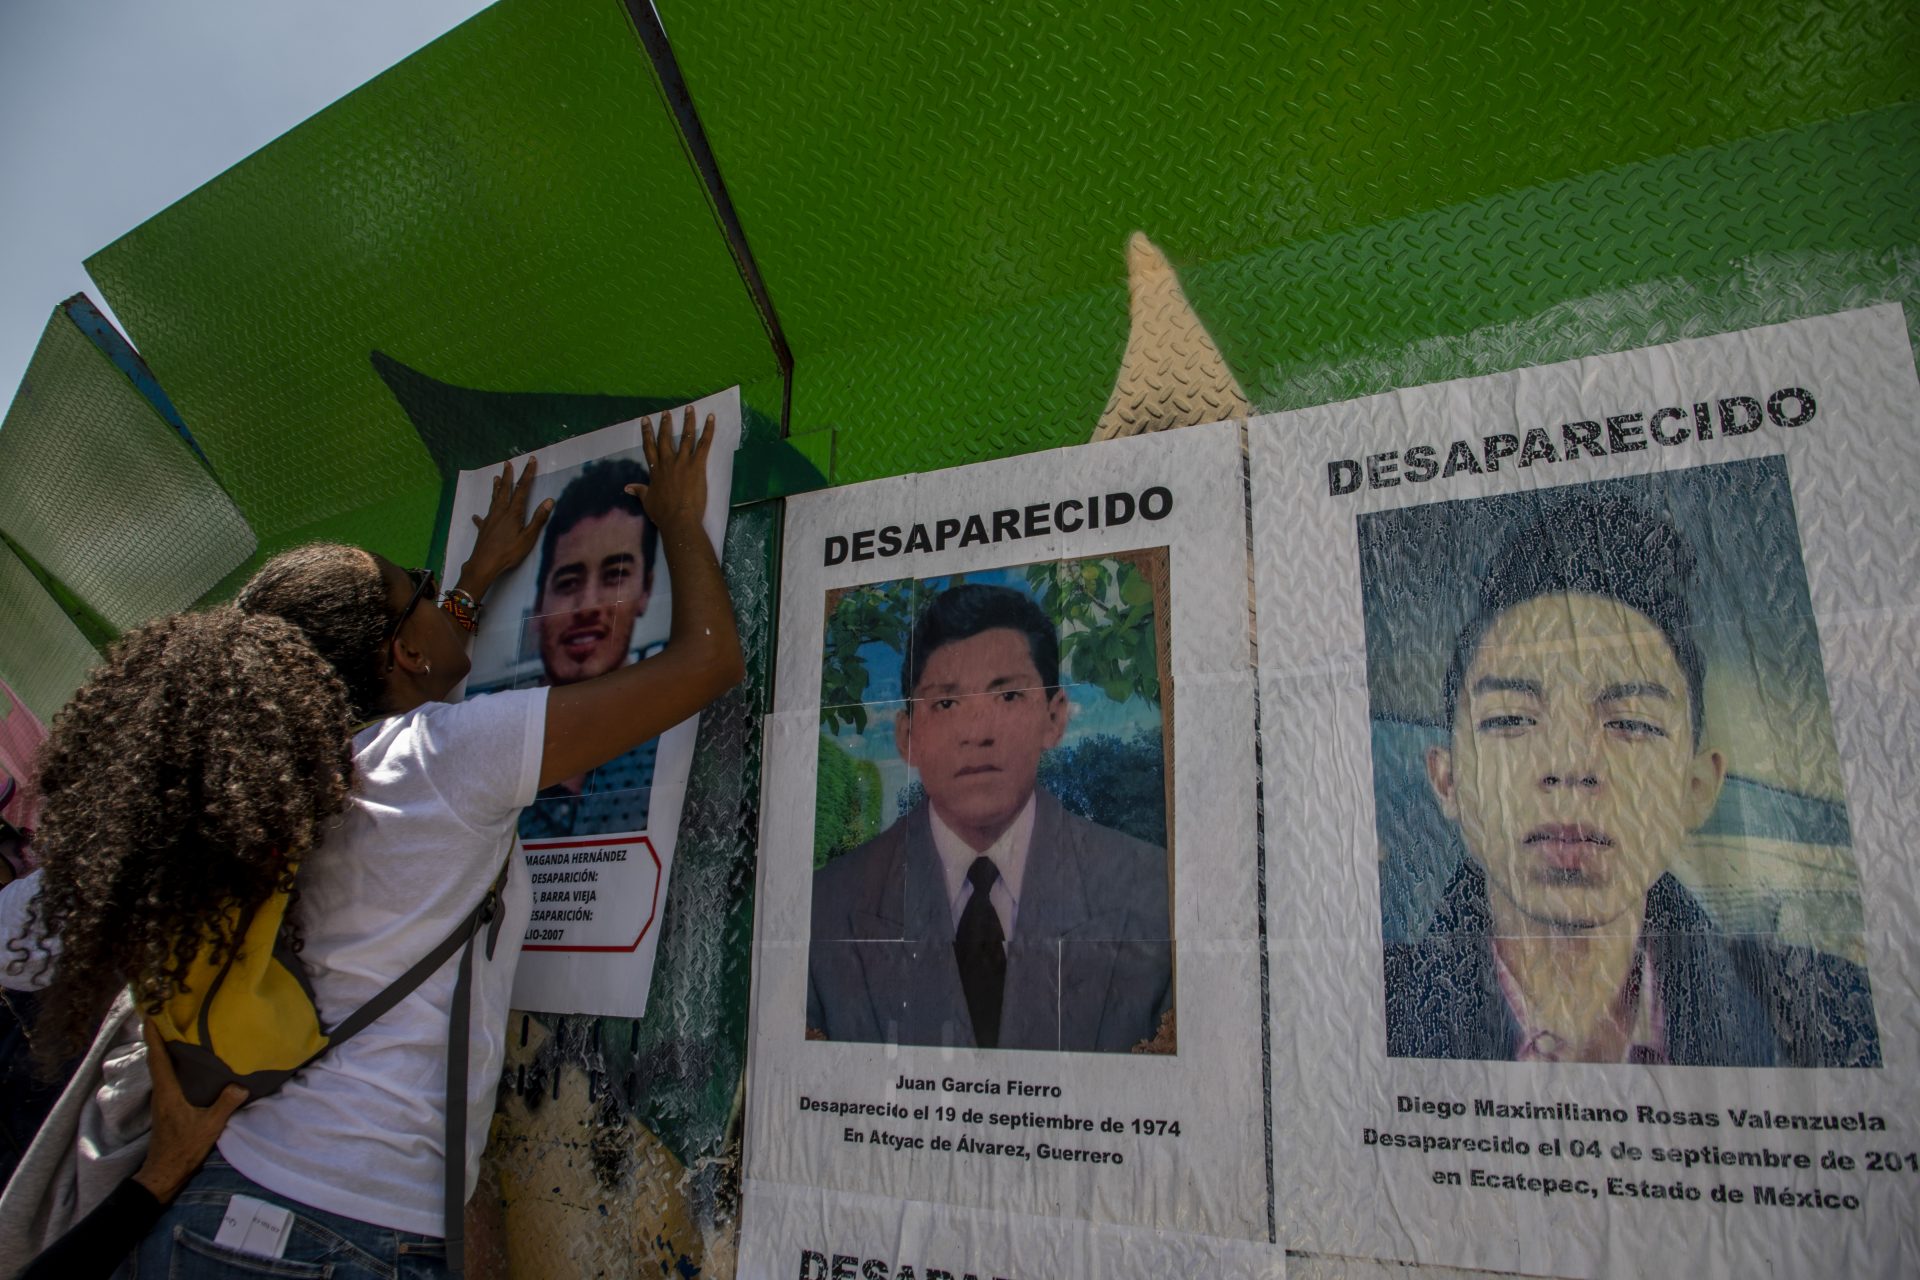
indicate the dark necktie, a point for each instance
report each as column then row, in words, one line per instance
column 978, row 947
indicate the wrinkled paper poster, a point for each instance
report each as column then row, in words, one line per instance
column 1589, row 703
column 1006, row 988
column 593, row 596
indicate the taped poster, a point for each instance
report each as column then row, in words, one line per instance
column 1589, row 707
column 1006, row 956
column 593, row 596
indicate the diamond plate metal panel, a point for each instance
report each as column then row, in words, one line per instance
column 103, row 493
column 940, row 200
column 914, row 162
column 1794, row 223
column 637, row 1116
column 508, row 208
column 44, row 657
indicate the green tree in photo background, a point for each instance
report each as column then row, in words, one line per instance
column 848, row 802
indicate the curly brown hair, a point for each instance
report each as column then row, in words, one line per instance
column 191, row 774
column 337, row 598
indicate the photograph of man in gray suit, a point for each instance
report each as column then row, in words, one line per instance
column 988, row 916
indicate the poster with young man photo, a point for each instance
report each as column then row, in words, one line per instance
column 593, row 596
column 1589, row 914
column 1587, row 713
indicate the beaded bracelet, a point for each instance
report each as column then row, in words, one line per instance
column 462, row 608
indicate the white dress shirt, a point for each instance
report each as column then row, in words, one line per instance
column 1009, row 854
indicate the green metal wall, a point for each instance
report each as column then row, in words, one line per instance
column 510, row 209
column 1358, row 197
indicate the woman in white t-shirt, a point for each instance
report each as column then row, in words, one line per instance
column 305, row 724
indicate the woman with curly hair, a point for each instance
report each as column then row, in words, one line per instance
column 298, row 741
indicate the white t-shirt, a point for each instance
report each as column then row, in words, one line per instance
column 436, row 795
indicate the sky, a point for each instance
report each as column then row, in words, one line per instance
column 111, row 110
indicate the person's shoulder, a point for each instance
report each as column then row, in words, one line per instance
column 857, row 873
column 1820, row 1004
column 1109, row 843
column 483, row 713
column 1116, row 870
column 1816, row 1006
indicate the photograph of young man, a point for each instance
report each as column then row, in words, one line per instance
column 596, row 575
column 988, row 916
column 1574, row 772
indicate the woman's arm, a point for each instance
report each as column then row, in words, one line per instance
column 591, row 722
column 183, row 1134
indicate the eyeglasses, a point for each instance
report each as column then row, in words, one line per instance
column 423, row 585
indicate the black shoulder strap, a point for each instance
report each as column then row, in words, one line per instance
column 403, row 986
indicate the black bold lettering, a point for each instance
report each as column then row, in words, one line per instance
column 875, row 1269
column 1343, row 477
column 1749, row 419
column 1156, row 502
column 1494, row 448
column 1582, row 435
column 945, row 531
column 1538, row 447
column 1785, row 394
column 1702, row 424
column 1623, row 436
column 1662, row 415
column 845, row 1267
column 1093, row 512
column 836, row 550
column 890, row 540
column 1420, row 464
column 1119, row 508
column 1060, row 515
column 976, row 532
column 1460, row 458
column 813, row 1265
column 1038, row 520
column 917, row 539
column 1381, row 468
column 863, row 545
column 1006, row 524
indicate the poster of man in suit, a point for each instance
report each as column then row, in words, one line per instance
column 1007, row 973
column 988, row 912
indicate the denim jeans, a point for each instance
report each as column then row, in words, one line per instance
column 324, row 1246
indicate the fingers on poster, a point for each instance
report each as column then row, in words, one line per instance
column 1007, row 955
column 593, row 596
column 1587, row 698
column 1587, row 702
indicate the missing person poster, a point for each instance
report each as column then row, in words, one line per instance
column 1006, row 984
column 593, row 596
column 1589, row 705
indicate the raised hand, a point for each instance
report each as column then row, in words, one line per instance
column 676, row 497
column 506, row 535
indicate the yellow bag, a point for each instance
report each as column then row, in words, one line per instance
column 251, row 1020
